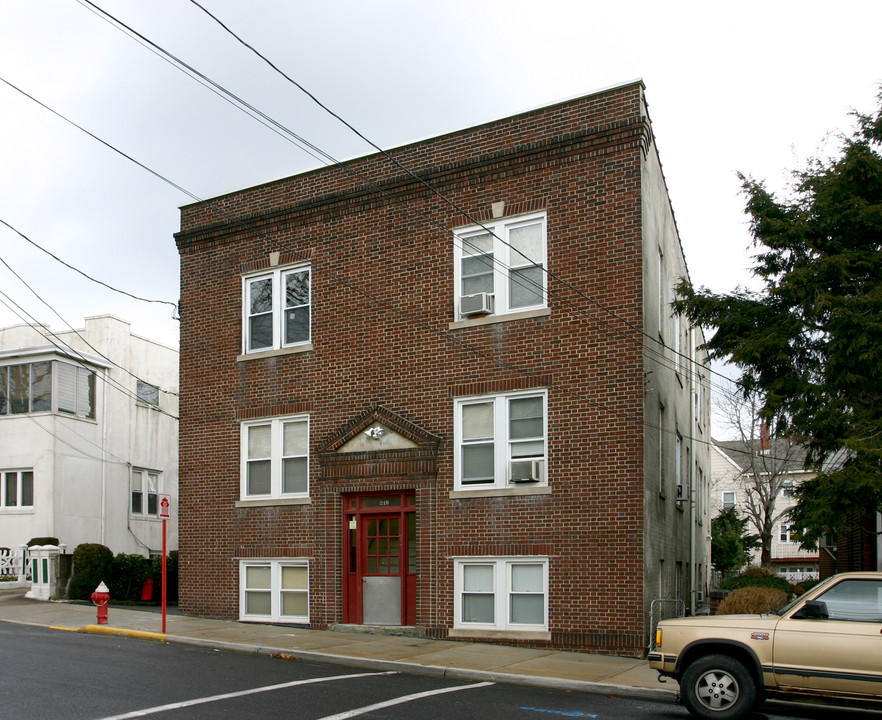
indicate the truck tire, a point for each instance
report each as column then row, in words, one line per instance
column 718, row 687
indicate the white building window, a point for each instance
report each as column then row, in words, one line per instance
column 787, row 534
column 145, row 493
column 274, row 590
column 276, row 309
column 147, row 393
column 501, row 441
column 788, row 490
column 275, row 458
column 47, row 386
column 728, row 499
column 502, row 263
column 501, row 593
column 16, row 488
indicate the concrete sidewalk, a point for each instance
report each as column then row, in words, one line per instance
column 447, row 658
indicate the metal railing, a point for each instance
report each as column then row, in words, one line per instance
column 662, row 609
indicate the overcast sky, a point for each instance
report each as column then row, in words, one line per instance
column 750, row 86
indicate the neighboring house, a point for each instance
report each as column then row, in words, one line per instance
column 88, row 436
column 463, row 408
column 734, row 464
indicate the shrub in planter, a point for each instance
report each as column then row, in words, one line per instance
column 752, row 600
column 91, row 566
column 127, row 576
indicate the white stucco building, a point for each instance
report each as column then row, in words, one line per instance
column 88, row 436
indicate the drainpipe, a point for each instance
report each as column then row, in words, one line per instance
column 104, row 457
column 693, row 590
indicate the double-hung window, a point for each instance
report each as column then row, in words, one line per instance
column 275, row 458
column 501, row 593
column 500, row 267
column 277, row 309
column 16, row 488
column 501, row 441
column 728, row 499
column 145, row 493
column 274, row 590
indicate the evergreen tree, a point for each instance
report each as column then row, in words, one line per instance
column 730, row 543
column 810, row 341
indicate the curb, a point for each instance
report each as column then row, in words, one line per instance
column 453, row 673
column 121, row 632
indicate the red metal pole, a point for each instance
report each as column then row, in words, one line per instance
column 164, row 521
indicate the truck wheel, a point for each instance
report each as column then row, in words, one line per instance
column 717, row 687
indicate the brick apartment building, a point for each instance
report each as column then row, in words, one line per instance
column 446, row 392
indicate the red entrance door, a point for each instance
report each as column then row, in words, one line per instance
column 380, row 580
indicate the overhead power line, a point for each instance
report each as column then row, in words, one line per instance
column 77, row 270
column 328, row 159
column 408, row 208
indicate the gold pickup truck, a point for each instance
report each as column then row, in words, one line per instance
column 824, row 646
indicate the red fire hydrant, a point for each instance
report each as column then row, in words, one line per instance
column 101, row 597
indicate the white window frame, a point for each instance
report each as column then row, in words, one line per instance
column 145, row 491
column 4, row 479
column 505, row 260
column 146, row 393
column 502, row 592
column 275, row 590
column 723, row 504
column 276, row 458
column 277, row 310
column 787, row 534
column 502, row 455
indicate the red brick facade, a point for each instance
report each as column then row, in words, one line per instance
column 386, row 348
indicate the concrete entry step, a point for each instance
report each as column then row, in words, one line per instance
column 400, row 630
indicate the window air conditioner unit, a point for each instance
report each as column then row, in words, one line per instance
column 682, row 493
column 699, row 596
column 477, row 304
column 526, row 471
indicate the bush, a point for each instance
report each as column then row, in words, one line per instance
column 752, row 600
column 171, row 576
column 757, row 577
column 91, row 566
column 127, row 576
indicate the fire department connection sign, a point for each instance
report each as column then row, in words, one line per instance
column 164, row 506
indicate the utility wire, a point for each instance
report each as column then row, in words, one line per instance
column 77, row 270
column 445, row 228
column 419, row 179
column 76, row 332
column 328, row 159
column 68, row 349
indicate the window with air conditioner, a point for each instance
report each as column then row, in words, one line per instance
column 501, row 441
column 500, row 266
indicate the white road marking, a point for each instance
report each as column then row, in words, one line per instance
column 399, row 701
column 240, row 693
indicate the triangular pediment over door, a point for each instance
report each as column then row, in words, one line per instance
column 379, row 444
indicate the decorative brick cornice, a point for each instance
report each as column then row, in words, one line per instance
column 586, row 142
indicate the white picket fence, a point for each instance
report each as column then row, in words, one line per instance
column 14, row 564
